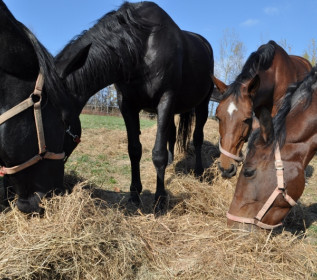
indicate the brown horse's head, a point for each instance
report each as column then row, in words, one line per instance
column 270, row 180
column 235, row 120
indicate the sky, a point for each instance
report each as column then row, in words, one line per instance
column 56, row 22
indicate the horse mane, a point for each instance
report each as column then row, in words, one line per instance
column 6, row 10
column 296, row 93
column 52, row 83
column 257, row 61
column 115, row 35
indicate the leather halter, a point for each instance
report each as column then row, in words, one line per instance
column 34, row 100
column 280, row 189
column 226, row 153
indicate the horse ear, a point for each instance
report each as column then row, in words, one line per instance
column 73, row 62
column 254, row 85
column 266, row 125
column 221, row 86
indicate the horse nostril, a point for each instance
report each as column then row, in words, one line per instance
column 232, row 170
column 229, row 170
column 220, row 167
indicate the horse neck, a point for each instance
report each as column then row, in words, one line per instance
column 273, row 89
column 90, row 79
column 301, row 133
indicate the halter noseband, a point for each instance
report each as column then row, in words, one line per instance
column 280, row 189
column 34, row 100
column 228, row 154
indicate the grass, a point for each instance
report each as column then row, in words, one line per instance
column 106, row 158
column 110, row 122
column 95, row 233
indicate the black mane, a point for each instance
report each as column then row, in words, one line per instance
column 52, row 84
column 260, row 60
column 116, row 35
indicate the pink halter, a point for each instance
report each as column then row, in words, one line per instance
column 226, row 153
column 280, row 189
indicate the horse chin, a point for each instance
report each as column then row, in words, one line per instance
column 228, row 173
column 31, row 204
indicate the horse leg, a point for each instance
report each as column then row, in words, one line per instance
column 4, row 192
column 201, row 112
column 132, row 122
column 171, row 142
column 165, row 117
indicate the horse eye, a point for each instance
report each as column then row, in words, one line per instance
column 248, row 172
column 248, row 121
column 217, row 119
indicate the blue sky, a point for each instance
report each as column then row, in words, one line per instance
column 55, row 22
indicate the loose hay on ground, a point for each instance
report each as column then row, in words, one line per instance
column 80, row 237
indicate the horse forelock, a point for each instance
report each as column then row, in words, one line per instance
column 259, row 60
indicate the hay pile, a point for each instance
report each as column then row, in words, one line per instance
column 82, row 236
column 78, row 238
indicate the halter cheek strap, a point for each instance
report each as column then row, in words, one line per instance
column 280, row 189
column 226, row 153
column 43, row 153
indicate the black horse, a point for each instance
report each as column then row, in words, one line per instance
column 21, row 58
column 155, row 66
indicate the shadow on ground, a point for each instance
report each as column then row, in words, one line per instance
column 210, row 153
column 120, row 199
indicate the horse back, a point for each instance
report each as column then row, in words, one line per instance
column 173, row 60
column 302, row 66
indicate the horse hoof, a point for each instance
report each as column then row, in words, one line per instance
column 160, row 205
column 134, row 198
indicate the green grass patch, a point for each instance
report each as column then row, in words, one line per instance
column 110, row 122
column 313, row 228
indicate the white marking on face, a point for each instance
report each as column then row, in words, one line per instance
column 231, row 108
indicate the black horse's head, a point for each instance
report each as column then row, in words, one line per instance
column 21, row 58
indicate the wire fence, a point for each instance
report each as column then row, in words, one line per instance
column 111, row 111
column 104, row 110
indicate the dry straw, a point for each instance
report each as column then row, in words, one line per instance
column 81, row 236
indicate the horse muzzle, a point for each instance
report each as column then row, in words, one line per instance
column 228, row 173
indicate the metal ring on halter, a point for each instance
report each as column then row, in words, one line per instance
column 75, row 137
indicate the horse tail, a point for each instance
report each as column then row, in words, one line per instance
column 184, row 130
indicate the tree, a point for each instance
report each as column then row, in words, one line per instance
column 230, row 61
column 104, row 99
column 285, row 45
column 311, row 53
column 231, row 56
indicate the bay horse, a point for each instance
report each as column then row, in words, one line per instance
column 156, row 67
column 262, row 83
column 272, row 178
column 34, row 110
